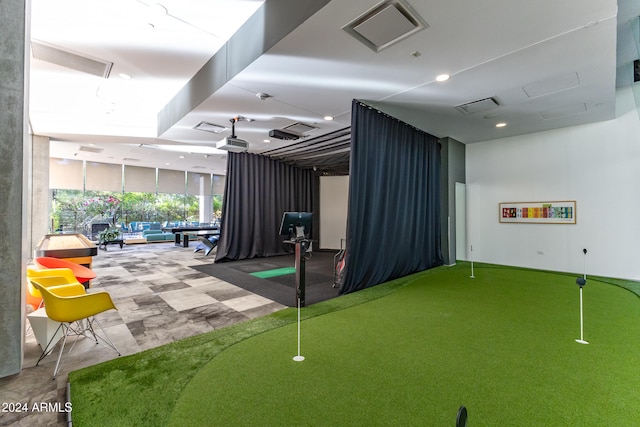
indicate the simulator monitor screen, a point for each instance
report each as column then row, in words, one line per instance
column 296, row 225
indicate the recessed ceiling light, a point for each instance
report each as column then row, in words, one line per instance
column 501, row 125
column 443, row 77
column 266, row 140
column 182, row 157
column 328, row 117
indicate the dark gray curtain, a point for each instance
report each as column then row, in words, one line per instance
column 257, row 191
column 393, row 225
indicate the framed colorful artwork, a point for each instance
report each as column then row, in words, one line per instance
column 563, row 212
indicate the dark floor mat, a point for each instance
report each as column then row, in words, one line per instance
column 318, row 277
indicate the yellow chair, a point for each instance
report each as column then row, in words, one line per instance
column 49, row 277
column 76, row 314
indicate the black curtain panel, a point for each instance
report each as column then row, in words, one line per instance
column 257, row 192
column 393, row 225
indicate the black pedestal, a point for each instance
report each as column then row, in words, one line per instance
column 301, row 247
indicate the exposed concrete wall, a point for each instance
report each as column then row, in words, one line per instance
column 12, row 143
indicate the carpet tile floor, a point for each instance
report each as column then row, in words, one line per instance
column 160, row 299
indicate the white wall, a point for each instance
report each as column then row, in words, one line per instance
column 334, row 196
column 598, row 165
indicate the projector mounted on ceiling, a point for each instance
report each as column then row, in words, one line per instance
column 233, row 143
column 283, row 134
column 230, row 143
column 293, row 131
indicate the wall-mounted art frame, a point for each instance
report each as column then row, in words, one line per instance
column 562, row 212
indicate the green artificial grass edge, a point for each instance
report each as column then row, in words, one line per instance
column 142, row 388
column 632, row 286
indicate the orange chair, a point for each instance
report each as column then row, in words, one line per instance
column 34, row 302
column 82, row 273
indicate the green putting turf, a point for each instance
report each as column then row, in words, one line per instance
column 274, row 273
column 502, row 344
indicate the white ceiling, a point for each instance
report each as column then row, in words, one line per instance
column 549, row 64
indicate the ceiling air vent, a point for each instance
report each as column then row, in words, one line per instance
column 210, row 127
column 385, row 24
column 564, row 111
column 552, row 85
column 478, row 106
column 301, row 128
column 74, row 61
column 90, row 149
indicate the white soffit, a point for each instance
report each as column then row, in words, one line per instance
column 74, row 61
column 385, row 24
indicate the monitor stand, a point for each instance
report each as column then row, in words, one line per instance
column 301, row 247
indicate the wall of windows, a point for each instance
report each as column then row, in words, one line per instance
column 84, row 194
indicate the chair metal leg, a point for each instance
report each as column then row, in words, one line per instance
column 64, row 342
column 50, row 345
column 106, row 340
column 80, row 329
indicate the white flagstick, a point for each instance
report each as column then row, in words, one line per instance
column 472, row 276
column 298, row 358
column 581, row 283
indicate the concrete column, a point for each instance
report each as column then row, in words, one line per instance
column 452, row 171
column 13, row 142
column 205, row 202
column 40, row 211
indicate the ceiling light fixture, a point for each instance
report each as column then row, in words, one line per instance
column 328, row 118
column 124, row 76
column 443, row 77
column 501, row 125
